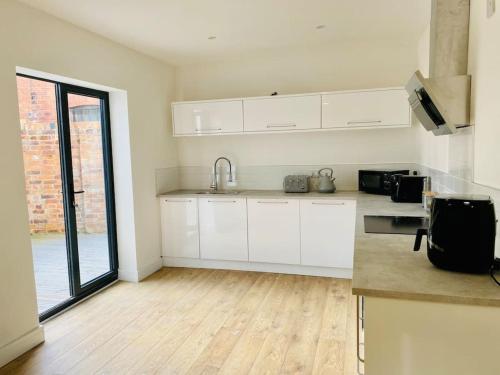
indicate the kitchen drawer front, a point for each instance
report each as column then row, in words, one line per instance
column 327, row 232
column 223, row 228
column 282, row 114
column 208, row 117
column 274, row 231
column 365, row 109
column 179, row 221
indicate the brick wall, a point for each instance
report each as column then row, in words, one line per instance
column 40, row 144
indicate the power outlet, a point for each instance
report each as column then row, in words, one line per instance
column 490, row 8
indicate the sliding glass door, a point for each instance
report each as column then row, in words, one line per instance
column 82, row 206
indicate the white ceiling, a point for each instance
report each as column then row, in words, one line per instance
column 177, row 31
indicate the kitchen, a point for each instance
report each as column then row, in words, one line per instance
column 253, row 154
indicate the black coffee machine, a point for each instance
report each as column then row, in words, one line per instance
column 461, row 233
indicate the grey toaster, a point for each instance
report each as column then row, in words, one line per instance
column 296, row 184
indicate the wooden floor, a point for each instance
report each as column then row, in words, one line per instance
column 193, row 321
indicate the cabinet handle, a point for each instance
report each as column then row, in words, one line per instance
column 286, row 125
column 271, row 202
column 178, row 200
column 208, row 130
column 221, row 201
column 329, row 203
column 364, row 122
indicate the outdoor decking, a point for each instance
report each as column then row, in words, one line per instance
column 51, row 265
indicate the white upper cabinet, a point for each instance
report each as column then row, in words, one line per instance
column 274, row 231
column 282, row 113
column 223, row 228
column 179, row 219
column 374, row 108
column 327, row 232
column 199, row 118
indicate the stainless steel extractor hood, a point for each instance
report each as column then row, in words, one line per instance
column 441, row 104
column 442, row 101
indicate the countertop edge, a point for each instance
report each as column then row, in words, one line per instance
column 265, row 194
column 438, row 298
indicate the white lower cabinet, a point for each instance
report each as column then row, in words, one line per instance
column 327, row 232
column 303, row 232
column 223, row 228
column 274, row 231
column 179, row 219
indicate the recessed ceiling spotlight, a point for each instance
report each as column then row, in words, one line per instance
column 212, row 37
column 319, row 27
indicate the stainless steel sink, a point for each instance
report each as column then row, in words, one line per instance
column 220, row 192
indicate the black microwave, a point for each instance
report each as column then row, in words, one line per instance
column 377, row 181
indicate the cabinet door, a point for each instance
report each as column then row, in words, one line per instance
column 179, row 226
column 365, row 109
column 327, row 232
column 208, row 117
column 289, row 113
column 274, row 231
column 223, row 228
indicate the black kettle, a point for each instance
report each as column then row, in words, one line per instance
column 461, row 233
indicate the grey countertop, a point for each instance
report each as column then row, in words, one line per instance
column 384, row 264
column 265, row 194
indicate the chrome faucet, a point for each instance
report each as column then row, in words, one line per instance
column 214, row 186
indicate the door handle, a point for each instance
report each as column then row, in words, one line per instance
column 74, row 193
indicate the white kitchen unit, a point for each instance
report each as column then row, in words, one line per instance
column 374, row 108
column 304, row 236
column 327, row 232
column 282, row 113
column 371, row 108
column 223, row 228
column 274, row 231
column 179, row 220
column 429, row 337
column 213, row 117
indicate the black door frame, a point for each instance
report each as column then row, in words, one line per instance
column 77, row 290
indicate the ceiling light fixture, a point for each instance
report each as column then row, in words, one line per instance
column 319, row 27
column 212, row 37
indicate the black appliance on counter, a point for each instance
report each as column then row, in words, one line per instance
column 461, row 233
column 377, row 181
column 407, row 189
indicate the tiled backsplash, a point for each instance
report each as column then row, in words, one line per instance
column 262, row 177
column 167, row 179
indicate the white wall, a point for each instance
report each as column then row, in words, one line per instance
column 484, row 66
column 34, row 40
column 316, row 68
column 472, row 153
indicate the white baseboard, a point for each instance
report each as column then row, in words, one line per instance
column 21, row 345
column 135, row 276
column 128, row 275
column 341, row 273
column 149, row 269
